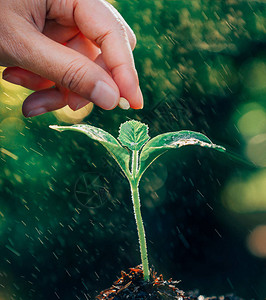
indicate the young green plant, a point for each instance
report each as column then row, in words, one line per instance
column 134, row 152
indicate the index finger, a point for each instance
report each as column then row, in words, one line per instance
column 100, row 24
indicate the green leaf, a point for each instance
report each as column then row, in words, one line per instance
column 133, row 134
column 171, row 140
column 120, row 154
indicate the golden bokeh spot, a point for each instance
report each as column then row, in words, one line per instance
column 246, row 195
column 67, row 115
column 11, row 94
column 256, row 241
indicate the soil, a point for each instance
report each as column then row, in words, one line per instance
column 132, row 286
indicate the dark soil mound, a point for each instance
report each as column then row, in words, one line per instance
column 132, row 286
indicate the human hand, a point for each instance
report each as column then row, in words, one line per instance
column 84, row 47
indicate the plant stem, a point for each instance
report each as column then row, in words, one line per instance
column 134, row 185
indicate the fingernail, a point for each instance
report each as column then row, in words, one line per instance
column 77, row 107
column 12, row 79
column 81, row 105
column 36, row 112
column 104, row 96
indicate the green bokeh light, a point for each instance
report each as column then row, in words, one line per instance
column 246, row 195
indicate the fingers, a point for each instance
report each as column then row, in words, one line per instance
column 35, row 82
column 130, row 33
column 26, row 78
column 38, row 103
column 37, row 53
column 47, row 100
column 75, row 101
column 58, row 32
column 42, row 102
column 62, row 16
column 109, row 32
column 67, row 68
column 84, row 46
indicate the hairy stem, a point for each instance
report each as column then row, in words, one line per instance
column 134, row 185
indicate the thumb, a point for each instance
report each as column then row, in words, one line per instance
column 68, row 68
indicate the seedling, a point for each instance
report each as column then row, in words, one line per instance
column 134, row 152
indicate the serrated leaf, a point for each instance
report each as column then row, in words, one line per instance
column 171, row 140
column 133, row 134
column 120, row 154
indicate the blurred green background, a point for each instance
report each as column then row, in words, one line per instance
column 202, row 67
